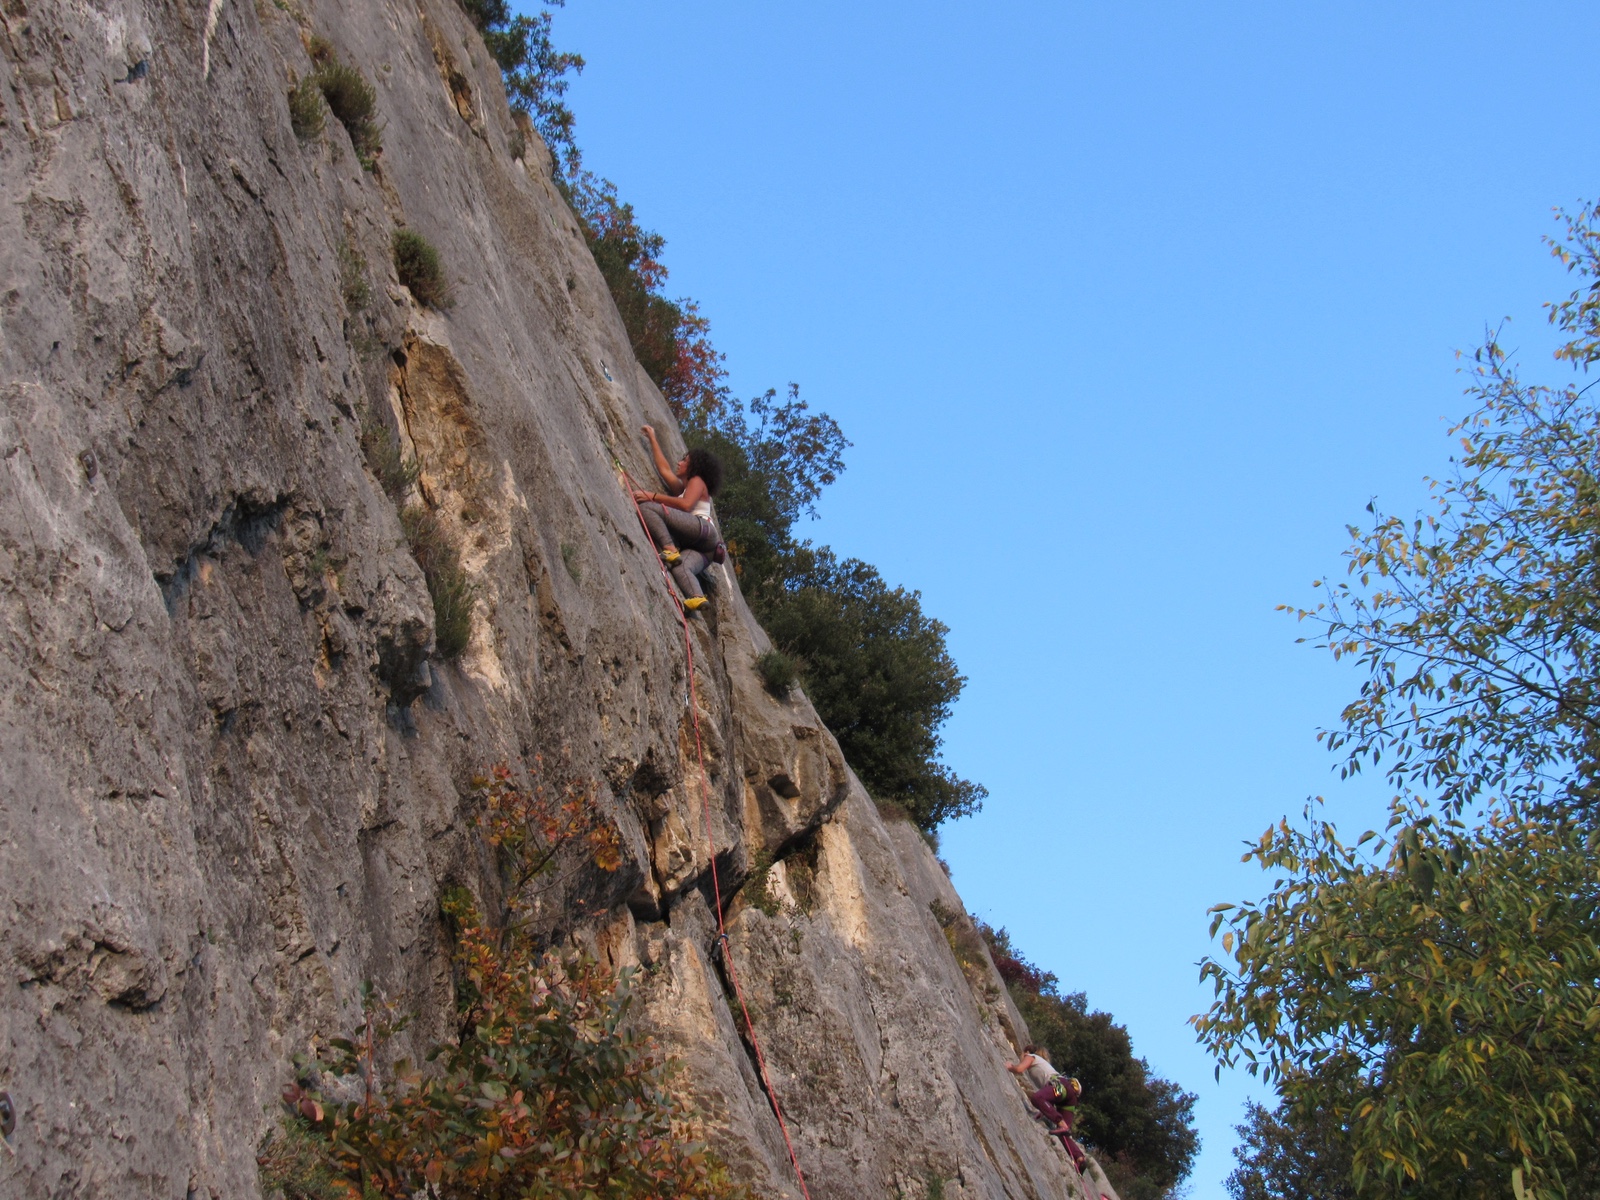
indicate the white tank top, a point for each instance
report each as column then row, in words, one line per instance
column 1040, row 1072
column 702, row 509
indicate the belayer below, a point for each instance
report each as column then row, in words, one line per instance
column 680, row 521
column 1056, row 1098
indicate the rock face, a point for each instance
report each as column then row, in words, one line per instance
column 234, row 766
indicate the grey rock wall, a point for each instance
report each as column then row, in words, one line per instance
column 232, row 767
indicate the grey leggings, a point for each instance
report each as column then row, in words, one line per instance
column 695, row 538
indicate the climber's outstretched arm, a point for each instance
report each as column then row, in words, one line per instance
column 663, row 467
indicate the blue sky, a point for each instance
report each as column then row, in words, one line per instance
column 1128, row 310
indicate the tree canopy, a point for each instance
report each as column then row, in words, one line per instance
column 1436, row 987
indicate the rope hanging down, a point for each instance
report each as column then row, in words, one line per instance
column 711, row 844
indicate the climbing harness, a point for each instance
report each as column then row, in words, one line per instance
column 711, row 844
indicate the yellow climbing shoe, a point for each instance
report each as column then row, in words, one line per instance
column 671, row 556
column 694, row 602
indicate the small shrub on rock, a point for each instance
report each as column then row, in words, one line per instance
column 306, row 110
column 757, row 890
column 448, row 585
column 388, row 461
column 351, row 99
column 417, row 263
column 353, row 285
column 295, row 1164
column 966, row 943
column 778, row 671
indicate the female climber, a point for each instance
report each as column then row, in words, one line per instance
column 680, row 521
column 1051, row 1088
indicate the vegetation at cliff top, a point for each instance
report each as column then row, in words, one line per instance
column 534, row 71
column 544, row 1091
column 1140, row 1125
column 1428, row 998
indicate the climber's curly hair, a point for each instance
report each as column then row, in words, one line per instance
column 708, row 467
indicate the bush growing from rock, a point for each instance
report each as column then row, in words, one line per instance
column 777, row 671
column 448, row 585
column 417, row 263
column 295, row 1164
column 388, row 462
column 353, row 285
column 306, row 108
column 350, row 98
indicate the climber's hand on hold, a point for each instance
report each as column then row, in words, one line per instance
column 649, row 432
column 644, row 497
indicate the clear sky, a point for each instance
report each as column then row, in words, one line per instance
column 1128, row 310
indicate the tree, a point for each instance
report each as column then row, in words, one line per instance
column 1451, row 964
column 877, row 669
column 1478, row 625
column 1457, row 973
column 534, row 72
column 1287, row 1155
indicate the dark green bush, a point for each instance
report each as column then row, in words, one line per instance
column 448, row 584
column 417, row 263
column 879, row 674
column 306, row 108
column 351, row 99
column 777, row 671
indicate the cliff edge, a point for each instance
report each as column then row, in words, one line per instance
column 235, row 763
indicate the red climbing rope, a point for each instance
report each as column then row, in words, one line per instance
column 711, row 842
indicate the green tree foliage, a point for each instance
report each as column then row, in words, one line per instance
column 1287, row 1155
column 1449, row 969
column 534, row 71
column 878, row 672
column 1457, row 973
column 1141, row 1124
column 1477, row 624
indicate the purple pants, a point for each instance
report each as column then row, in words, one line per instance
column 1045, row 1101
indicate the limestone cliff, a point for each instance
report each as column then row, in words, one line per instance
column 234, row 766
